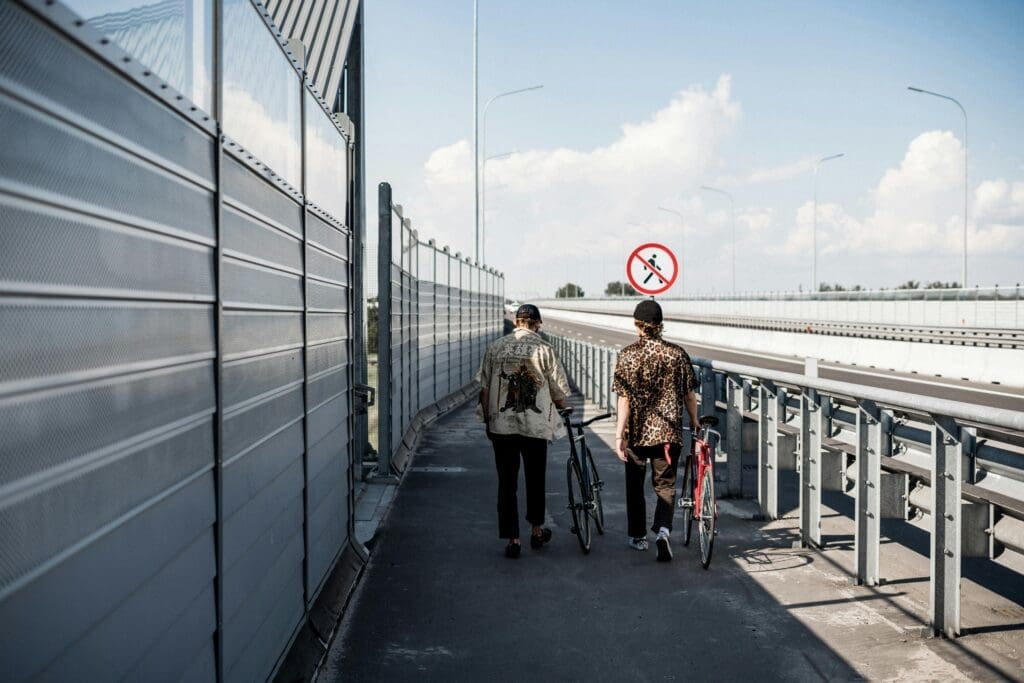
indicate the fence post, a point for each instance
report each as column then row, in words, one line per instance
column 947, row 468
column 768, row 450
column 594, row 372
column 812, row 426
column 384, row 384
column 707, row 392
column 868, row 503
column 734, row 435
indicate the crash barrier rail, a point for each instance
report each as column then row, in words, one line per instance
column 437, row 313
column 902, row 454
column 176, row 383
column 975, row 310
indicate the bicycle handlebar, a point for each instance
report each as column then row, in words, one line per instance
column 580, row 425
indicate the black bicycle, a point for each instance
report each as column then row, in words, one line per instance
column 584, row 481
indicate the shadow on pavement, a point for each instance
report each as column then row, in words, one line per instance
column 439, row 601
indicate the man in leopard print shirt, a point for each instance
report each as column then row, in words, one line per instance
column 655, row 382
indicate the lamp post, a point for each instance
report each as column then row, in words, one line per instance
column 682, row 226
column 477, row 156
column 963, row 264
column 483, row 203
column 814, row 230
column 476, row 134
column 732, row 210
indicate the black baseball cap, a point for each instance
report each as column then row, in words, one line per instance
column 647, row 311
column 528, row 312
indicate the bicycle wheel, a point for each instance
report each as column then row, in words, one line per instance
column 686, row 500
column 597, row 509
column 577, row 500
column 706, row 530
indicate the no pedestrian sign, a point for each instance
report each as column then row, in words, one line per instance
column 652, row 268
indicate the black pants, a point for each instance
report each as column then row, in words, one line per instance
column 663, row 478
column 507, row 451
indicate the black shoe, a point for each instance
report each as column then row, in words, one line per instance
column 538, row 541
column 512, row 551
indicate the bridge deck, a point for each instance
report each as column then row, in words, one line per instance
column 439, row 601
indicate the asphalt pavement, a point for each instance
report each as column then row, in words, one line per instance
column 440, row 602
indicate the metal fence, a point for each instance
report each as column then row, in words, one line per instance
column 901, row 454
column 176, row 384
column 437, row 313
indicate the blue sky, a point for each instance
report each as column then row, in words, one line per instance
column 745, row 96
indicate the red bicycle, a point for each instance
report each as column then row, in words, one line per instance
column 698, row 495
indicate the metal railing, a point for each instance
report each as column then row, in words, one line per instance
column 959, row 463
column 437, row 313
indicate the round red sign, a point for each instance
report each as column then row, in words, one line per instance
column 652, row 268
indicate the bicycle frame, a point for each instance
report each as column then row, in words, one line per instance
column 705, row 462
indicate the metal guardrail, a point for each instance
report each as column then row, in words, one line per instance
column 960, row 463
column 437, row 313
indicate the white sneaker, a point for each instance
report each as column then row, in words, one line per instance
column 664, row 546
column 638, row 543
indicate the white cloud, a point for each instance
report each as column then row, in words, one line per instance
column 917, row 209
column 561, row 214
column 547, row 207
column 772, row 174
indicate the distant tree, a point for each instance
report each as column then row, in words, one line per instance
column 570, row 291
column 825, row 287
column 619, row 289
column 938, row 284
column 910, row 284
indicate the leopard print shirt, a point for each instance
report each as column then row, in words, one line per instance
column 656, row 376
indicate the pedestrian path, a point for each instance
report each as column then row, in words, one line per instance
column 440, row 602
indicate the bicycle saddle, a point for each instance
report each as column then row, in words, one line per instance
column 708, row 421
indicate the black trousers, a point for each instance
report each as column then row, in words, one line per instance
column 663, row 478
column 507, row 452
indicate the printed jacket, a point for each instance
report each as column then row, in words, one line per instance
column 523, row 378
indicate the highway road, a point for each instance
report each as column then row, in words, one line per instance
column 993, row 395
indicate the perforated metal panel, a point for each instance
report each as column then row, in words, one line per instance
column 438, row 313
column 175, row 378
column 107, row 392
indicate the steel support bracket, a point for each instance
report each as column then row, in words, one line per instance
column 868, row 509
column 769, row 409
column 945, row 551
column 812, row 426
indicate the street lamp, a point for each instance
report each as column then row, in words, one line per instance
column 483, row 203
column 682, row 226
column 477, row 156
column 476, row 130
column 732, row 209
column 963, row 265
column 814, row 230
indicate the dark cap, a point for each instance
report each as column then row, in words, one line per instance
column 528, row 312
column 647, row 311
